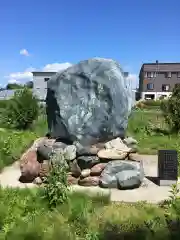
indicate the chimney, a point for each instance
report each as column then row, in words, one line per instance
column 157, row 62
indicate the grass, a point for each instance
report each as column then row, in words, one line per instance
column 13, row 143
column 25, row 215
column 147, row 126
column 151, row 132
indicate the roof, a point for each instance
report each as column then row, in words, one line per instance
column 161, row 67
column 43, row 72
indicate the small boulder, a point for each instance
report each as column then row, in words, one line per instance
column 97, row 169
column 129, row 141
column 59, row 145
column 122, row 174
column 72, row 180
column 45, row 168
column 85, row 173
column 87, row 161
column 135, row 157
column 86, row 150
column 29, row 166
column 74, row 168
column 128, row 179
column 117, row 144
column 89, row 181
column 112, row 154
column 44, row 152
column 38, row 181
column 70, row 152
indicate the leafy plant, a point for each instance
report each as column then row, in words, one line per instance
column 171, row 110
column 21, row 110
column 56, row 187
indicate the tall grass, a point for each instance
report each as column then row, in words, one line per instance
column 25, row 215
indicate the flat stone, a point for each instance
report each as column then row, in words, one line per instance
column 89, row 181
column 129, row 141
column 112, row 154
column 135, row 157
column 85, row 150
column 87, row 161
column 85, row 173
column 97, row 169
column 117, row 144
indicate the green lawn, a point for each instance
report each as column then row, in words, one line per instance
column 25, row 215
column 151, row 132
column 146, row 126
column 13, row 143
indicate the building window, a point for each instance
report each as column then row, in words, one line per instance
column 150, row 74
column 168, row 74
column 178, row 74
column 150, row 86
column 165, row 87
column 145, row 74
column 46, row 79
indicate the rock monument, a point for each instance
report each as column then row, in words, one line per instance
column 88, row 106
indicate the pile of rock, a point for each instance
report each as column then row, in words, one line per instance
column 110, row 165
column 88, row 106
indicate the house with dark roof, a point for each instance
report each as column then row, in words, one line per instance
column 157, row 80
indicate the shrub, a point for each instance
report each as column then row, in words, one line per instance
column 56, row 187
column 3, row 103
column 22, row 109
column 152, row 103
column 171, row 110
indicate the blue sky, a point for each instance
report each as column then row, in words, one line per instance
column 40, row 34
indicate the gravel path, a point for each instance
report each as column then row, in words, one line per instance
column 9, row 177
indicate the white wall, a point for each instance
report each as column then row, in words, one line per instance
column 40, row 85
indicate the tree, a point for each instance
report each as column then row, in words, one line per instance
column 29, row 84
column 11, row 86
column 171, row 109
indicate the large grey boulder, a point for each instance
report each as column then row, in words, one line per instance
column 89, row 102
column 122, row 174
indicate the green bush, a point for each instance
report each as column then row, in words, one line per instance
column 22, row 109
column 56, row 187
column 171, row 110
column 3, row 103
column 152, row 103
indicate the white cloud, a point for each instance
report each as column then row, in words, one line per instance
column 22, row 77
column 27, row 74
column 56, row 67
column 13, row 81
column 132, row 77
column 24, row 52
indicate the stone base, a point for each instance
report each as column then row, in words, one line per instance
column 167, row 182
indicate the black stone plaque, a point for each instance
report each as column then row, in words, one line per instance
column 168, row 165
